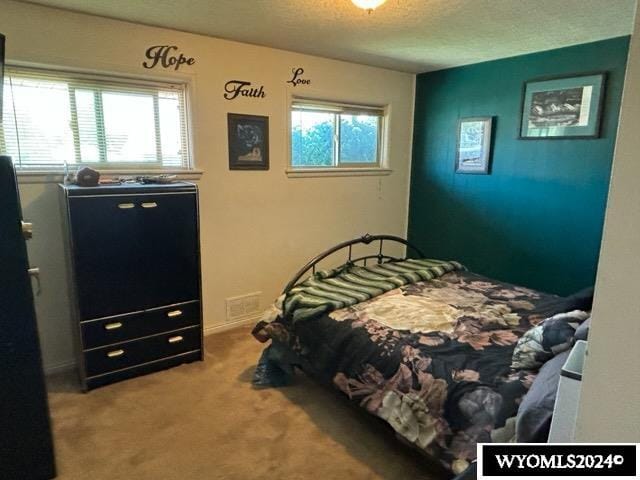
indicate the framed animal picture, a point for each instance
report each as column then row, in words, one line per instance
column 248, row 142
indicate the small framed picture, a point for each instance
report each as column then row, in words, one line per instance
column 248, row 142
column 473, row 151
column 568, row 107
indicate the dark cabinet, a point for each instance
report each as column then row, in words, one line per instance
column 135, row 263
column 26, row 446
column 141, row 251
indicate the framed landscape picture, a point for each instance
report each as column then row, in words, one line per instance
column 567, row 107
column 248, row 142
column 473, row 151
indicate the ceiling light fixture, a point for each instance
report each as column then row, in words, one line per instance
column 368, row 5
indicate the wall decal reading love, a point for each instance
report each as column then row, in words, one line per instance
column 238, row 88
column 296, row 78
column 160, row 55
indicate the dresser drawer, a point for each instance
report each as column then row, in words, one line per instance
column 98, row 333
column 143, row 369
column 135, row 352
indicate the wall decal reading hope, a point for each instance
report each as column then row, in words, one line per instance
column 160, row 55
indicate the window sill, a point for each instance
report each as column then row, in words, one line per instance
column 56, row 176
column 337, row 172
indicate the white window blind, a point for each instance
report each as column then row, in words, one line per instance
column 340, row 108
column 51, row 119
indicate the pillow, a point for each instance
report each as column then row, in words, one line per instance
column 535, row 411
column 582, row 332
column 544, row 341
column 581, row 300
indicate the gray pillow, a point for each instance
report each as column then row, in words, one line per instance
column 582, row 332
column 535, row 411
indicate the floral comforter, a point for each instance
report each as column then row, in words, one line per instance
column 432, row 358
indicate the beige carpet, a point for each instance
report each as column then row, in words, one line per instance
column 205, row 421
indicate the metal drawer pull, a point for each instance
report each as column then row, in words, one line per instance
column 148, row 204
column 115, row 353
column 174, row 313
column 125, row 206
column 176, row 339
column 27, row 230
column 113, row 326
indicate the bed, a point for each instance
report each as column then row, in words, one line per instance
column 425, row 345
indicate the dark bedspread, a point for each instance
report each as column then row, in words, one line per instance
column 431, row 358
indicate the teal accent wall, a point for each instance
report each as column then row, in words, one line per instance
column 537, row 219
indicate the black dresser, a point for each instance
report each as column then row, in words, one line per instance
column 134, row 261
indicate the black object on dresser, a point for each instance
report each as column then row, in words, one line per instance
column 26, row 447
column 134, row 261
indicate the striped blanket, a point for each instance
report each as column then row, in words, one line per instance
column 342, row 287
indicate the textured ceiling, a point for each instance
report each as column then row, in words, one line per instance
column 409, row 35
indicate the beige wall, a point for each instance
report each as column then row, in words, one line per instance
column 257, row 228
column 609, row 405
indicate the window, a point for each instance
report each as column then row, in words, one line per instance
column 51, row 119
column 326, row 135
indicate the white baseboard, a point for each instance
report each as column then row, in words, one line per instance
column 60, row 367
column 223, row 327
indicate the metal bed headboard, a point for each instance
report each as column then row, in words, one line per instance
column 366, row 240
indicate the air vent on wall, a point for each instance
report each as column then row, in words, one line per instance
column 243, row 306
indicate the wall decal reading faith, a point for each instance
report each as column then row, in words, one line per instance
column 238, row 88
column 160, row 55
column 296, row 80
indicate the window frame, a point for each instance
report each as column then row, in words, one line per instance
column 108, row 82
column 339, row 168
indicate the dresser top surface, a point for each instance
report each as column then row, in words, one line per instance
column 128, row 188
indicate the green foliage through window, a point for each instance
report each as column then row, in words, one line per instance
column 358, row 139
column 326, row 139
